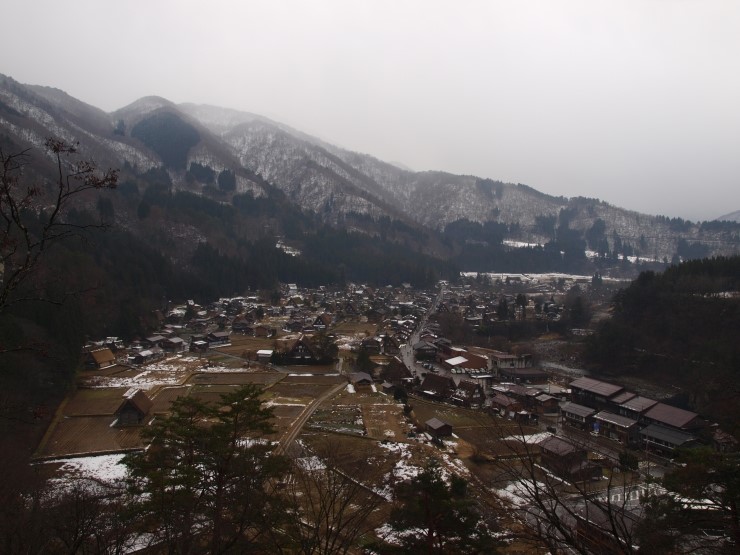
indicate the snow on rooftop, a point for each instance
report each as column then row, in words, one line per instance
column 529, row 439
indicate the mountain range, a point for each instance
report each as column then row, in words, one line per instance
column 230, row 158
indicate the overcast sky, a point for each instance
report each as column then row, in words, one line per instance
column 634, row 102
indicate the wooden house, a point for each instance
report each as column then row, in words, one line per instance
column 360, row 378
column 100, row 358
column 218, row 338
column 594, row 393
column 134, row 408
column 657, row 438
column 469, row 394
column 505, row 405
column 620, row 428
column 566, row 460
column 424, row 350
column 577, row 416
column 438, row 428
column 437, row 387
column 673, row 417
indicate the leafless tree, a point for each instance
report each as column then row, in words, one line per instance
column 34, row 216
column 332, row 503
column 566, row 512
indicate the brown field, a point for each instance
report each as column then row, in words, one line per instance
column 211, row 393
column 478, row 429
column 299, row 391
column 314, row 370
column 223, row 359
column 358, row 456
column 338, row 418
column 384, row 421
column 241, row 343
column 87, row 435
column 164, row 397
column 458, row 417
column 354, row 328
column 287, row 411
column 94, row 402
column 235, row 378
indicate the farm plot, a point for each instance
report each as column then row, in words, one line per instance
column 89, row 434
column 312, row 370
column 384, row 421
column 297, row 392
column 241, row 345
column 94, row 402
column 364, row 329
column 284, row 415
column 235, row 378
column 346, row 419
column 211, row 393
column 164, row 397
column 458, row 417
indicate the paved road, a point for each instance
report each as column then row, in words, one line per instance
column 407, row 351
column 292, row 433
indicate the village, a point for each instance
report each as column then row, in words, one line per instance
column 371, row 369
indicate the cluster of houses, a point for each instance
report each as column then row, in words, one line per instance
column 611, row 411
column 480, row 308
column 474, row 377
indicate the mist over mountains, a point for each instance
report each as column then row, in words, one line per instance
column 290, row 185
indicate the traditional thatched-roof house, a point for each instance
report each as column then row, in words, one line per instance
column 100, row 358
column 134, row 408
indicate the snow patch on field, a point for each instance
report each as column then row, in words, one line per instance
column 519, row 493
column 273, row 403
column 93, row 474
column 145, row 380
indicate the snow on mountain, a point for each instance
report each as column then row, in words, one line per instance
column 325, row 179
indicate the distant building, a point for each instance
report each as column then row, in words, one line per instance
column 100, row 358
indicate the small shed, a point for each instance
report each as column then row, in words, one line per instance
column 360, row 378
column 101, row 358
column 134, row 408
column 438, row 428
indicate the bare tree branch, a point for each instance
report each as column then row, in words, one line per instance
column 34, row 218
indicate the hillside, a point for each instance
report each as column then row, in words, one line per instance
column 680, row 328
column 218, row 153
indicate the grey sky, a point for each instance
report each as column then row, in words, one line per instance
column 634, row 102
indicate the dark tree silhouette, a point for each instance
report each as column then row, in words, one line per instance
column 34, row 217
